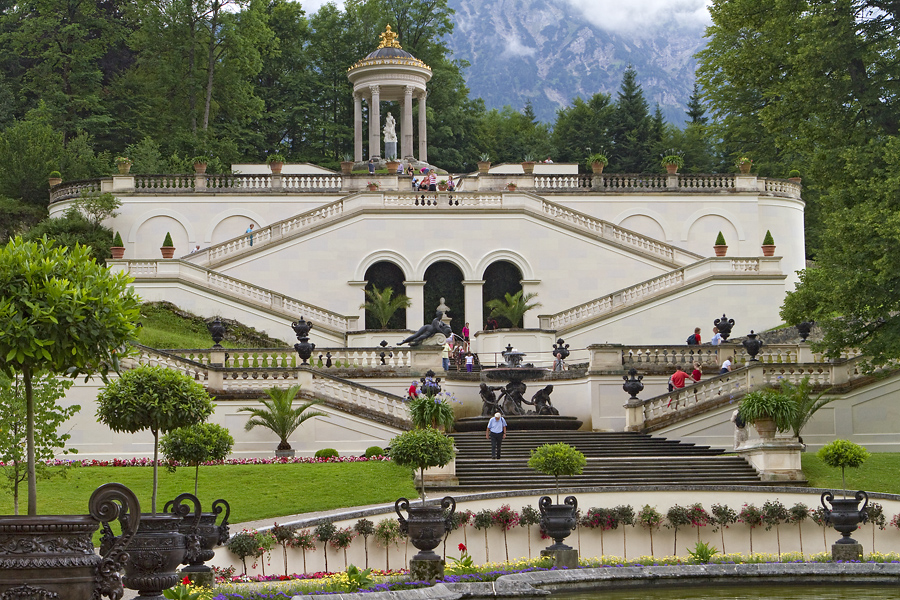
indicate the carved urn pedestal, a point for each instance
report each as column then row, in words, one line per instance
column 51, row 557
column 425, row 526
column 558, row 521
column 845, row 515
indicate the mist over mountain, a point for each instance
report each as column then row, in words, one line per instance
column 551, row 51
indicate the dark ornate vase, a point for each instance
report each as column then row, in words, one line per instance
column 205, row 531
column 217, row 331
column 845, row 514
column 304, row 348
column 633, row 386
column 426, row 525
column 804, row 329
column 724, row 325
column 558, row 520
column 52, row 556
column 561, row 348
column 752, row 345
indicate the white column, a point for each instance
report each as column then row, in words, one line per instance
column 359, row 291
column 357, row 128
column 374, row 121
column 406, row 127
column 423, row 130
column 414, row 314
column 472, row 288
column 531, row 320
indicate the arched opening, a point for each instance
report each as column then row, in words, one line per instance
column 382, row 275
column 444, row 280
column 500, row 278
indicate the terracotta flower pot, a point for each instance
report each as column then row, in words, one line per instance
column 443, row 187
column 276, row 166
column 768, row 249
column 765, row 428
column 117, row 252
column 745, row 167
column 199, row 168
column 720, row 250
column 124, row 168
column 597, row 167
column 484, row 166
column 511, row 188
column 167, row 251
column 528, row 167
column 347, row 167
column 671, row 168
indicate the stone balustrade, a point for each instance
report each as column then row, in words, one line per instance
column 660, row 286
column 618, row 183
column 286, row 358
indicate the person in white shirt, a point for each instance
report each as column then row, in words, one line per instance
column 716, row 338
column 726, row 367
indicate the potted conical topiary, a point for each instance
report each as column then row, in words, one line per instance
column 168, row 248
column 768, row 245
column 720, row 247
column 118, row 247
column 55, row 178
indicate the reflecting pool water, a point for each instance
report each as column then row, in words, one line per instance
column 745, row 591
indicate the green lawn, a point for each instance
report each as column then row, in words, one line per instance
column 165, row 326
column 878, row 474
column 253, row 491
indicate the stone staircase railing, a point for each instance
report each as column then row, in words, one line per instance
column 669, row 408
column 240, row 377
column 286, row 358
column 289, row 308
column 750, row 267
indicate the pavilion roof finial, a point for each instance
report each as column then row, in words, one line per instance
column 389, row 39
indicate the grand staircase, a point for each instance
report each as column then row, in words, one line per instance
column 613, row 459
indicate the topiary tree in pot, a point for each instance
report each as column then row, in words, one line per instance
column 558, row 520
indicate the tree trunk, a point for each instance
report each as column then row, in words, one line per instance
column 800, row 533
column 210, row 61
column 29, row 441
column 155, row 470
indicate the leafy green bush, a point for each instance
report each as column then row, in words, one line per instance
column 720, row 239
column 768, row 240
column 843, row 453
column 431, row 410
column 327, row 453
column 421, row 449
column 557, row 460
column 195, row 445
column 702, row 552
column 374, row 451
column 117, row 241
column 768, row 404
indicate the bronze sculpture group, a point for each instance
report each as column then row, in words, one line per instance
column 512, row 397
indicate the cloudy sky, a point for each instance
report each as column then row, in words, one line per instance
column 617, row 15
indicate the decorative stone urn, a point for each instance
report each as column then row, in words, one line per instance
column 633, row 386
column 724, row 326
column 528, row 167
column 425, row 525
column 484, row 166
column 804, row 329
column 347, row 167
column 49, row 557
column 156, row 549
column 209, row 535
column 558, row 520
column 304, row 348
column 216, row 331
column 671, row 168
column 752, row 345
column 846, row 515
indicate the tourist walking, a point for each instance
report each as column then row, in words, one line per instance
column 470, row 362
column 250, row 233
column 716, row 338
column 726, row 366
column 445, row 355
column 496, row 432
column 694, row 339
column 465, row 335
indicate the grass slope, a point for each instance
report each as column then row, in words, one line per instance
column 253, row 491
column 878, row 474
column 164, row 325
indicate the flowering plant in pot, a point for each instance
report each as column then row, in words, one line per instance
column 201, row 161
column 123, row 163
column 597, row 161
column 372, row 185
column 275, row 162
column 744, row 163
column 720, row 247
column 769, row 411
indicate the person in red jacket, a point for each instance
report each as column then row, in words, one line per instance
column 678, row 378
column 696, row 374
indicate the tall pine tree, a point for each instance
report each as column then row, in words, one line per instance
column 631, row 128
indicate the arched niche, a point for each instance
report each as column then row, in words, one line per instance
column 381, row 275
column 444, row 279
column 500, row 278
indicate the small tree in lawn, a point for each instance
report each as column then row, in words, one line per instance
column 625, row 516
column 421, row 449
column 195, row 445
column 278, row 414
column 557, row 460
column 774, row 513
column 699, row 517
column 751, row 516
column 677, row 516
column 505, row 518
column 49, row 416
column 529, row 516
column 284, row 536
column 387, row 532
column 797, row 514
column 154, row 398
column 843, row 454
column 819, row 517
column 325, row 533
column 341, row 540
column 876, row 516
column 60, row 311
column 650, row 519
column 723, row 517
column 365, row 528
column 305, row 540
column 484, row 520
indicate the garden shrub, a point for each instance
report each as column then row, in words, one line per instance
column 374, row 451
column 327, row 453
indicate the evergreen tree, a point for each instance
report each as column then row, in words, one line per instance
column 631, row 128
column 696, row 112
column 583, row 128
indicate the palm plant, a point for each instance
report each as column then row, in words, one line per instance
column 278, row 414
column 806, row 404
column 513, row 306
column 382, row 304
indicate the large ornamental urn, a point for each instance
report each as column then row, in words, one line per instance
column 208, row 534
column 425, row 525
column 558, row 520
column 845, row 514
column 50, row 557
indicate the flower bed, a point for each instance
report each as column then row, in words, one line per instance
column 148, row 462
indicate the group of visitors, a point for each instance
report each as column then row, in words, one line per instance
column 694, row 339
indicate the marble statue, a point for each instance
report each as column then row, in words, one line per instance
column 390, row 131
column 426, row 331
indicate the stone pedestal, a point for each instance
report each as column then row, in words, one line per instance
column 846, row 552
column 563, row 558
column 775, row 459
column 200, row 578
column 390, row 149
column 425, row 570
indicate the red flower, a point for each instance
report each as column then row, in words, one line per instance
column 186, row 581
column 462, row 547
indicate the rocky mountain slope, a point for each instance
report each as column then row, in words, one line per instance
column 550, row 52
